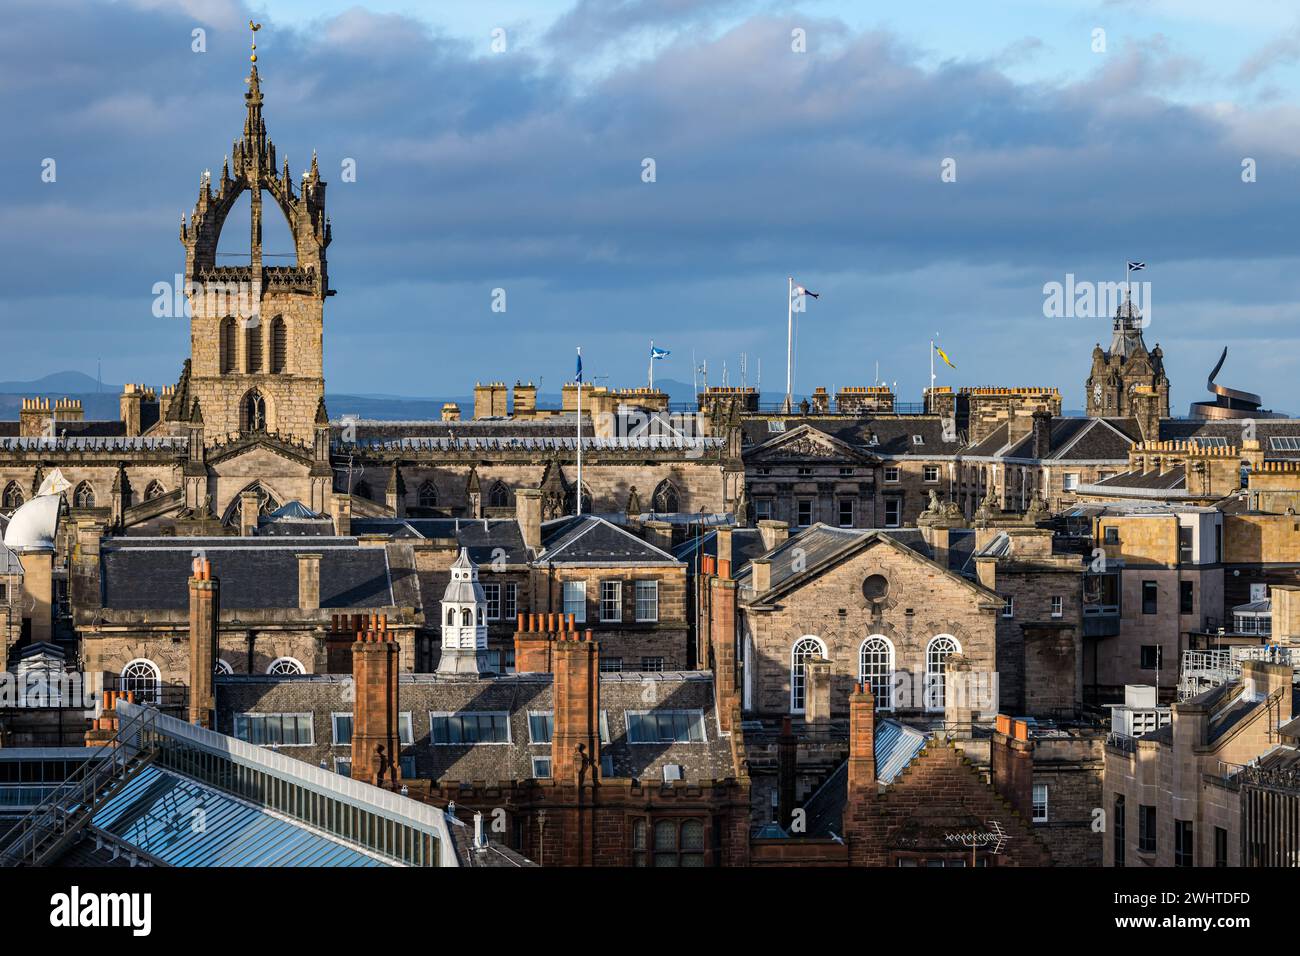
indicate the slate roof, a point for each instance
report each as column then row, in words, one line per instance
column 481, row 536
column 746, row 544
column 591, row 540
column 151, row 573
column 517, row 695
column 1174, row 479
column 9, row 562
column 1183, row 429
column 1083, row 439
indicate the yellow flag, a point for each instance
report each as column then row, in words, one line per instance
column 944, row 355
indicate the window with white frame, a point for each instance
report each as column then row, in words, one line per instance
column 1058, row 605
column 893, row 512
column 575, row 600
column 846, row 512
column 891, row 473
column 930, row 473
column 647, row 601
column 343, row 766
column 1040, row 803
column 611, row 665
column 1070, row 481
column 937, row 652
column 805, row 649
column 278, row 730
column 876, row 669
column 541, row 724
column 541, row 768
column 492, row 594
column 1008, row 606
column 509, row 600
column 286, row 666
column 763, row 509
column 142, row 678
column 611, row 600
column 469, row 727
column 665, row 726
column 341, row 728
column 652, row 664
column 405, row 729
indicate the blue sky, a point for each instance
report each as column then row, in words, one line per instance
column 521, row 170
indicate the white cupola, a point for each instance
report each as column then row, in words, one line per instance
column 464, row 621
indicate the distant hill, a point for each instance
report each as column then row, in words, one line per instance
column 65, row 383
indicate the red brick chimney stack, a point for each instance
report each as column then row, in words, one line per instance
column 376, row 747
column 862, row 741
column 575, row 737
column 722, row 637
column 1012, row 757
column 205, row 613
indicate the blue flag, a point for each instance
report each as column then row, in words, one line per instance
column 658, row 353
column 578, row 377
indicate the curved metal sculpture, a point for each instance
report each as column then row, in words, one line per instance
column 1229, row 403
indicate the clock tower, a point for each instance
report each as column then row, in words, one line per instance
column 1127, row 380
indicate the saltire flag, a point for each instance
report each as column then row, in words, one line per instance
column 944, row 355
column 657, row 353
column 1136, row 266
column 578, row 376
column 800, row 290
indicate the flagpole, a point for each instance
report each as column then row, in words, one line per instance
column 579, row 495
column 932, row 369
column 789, row 340
column 652, row 365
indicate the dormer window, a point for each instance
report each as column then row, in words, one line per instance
column 918, row 440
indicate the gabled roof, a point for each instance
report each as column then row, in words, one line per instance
column 821, row 546
column 486, row 538
column 592, row 540
column 798, row 443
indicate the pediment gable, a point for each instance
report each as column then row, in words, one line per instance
column 260, row 456
column 805, row 443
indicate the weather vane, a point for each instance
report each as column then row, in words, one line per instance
column 254, row 27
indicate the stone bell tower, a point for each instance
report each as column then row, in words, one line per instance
column 256, row 328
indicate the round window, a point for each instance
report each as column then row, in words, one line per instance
column 875, row 587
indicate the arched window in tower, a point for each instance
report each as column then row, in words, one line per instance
column 252, row 412
column 228, row 344
column 937, row 652
column 665, row 497
column 805, row 649
column 428, row 495
column 499, row 496
column 155, row 490
column 466, row 618
column 279, row 345
column 13, row 497
column 83, row 496
column 451, row 617
column 253, row 343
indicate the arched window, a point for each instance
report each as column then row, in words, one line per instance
column 142, row 678
column 466, row 618
column 805, row 648
column 279, row 345
column 498, row 496
column 155, row 490
column 876, row 669
column 252, row 412
column 253, row 344
column 83, row 496
column 665, row 497
column 223, row 668
column 480, row 615
column 428, row 495
column 937, row 653
column 451, row 617
column 286, row 665
column 13, row 497
column 227, row 344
